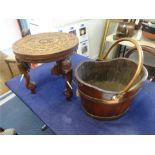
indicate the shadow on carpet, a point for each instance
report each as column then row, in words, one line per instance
column 14, row 114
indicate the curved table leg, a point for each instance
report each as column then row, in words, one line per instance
column 24, row 68
column 64, row 67
column 67, row 72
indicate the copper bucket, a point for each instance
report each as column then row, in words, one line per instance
column 107, row 87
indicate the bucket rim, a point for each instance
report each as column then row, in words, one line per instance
column 108, row 91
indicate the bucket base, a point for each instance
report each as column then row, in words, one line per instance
column 102, row 117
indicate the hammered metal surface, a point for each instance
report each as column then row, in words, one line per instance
column 45, row 44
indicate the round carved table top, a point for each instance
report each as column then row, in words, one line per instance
column 45, row 47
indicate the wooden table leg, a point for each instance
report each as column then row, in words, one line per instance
column 24, row 68
column 64, row 67
column 57, row 69
column 67, row 72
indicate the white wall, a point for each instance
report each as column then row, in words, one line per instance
column 9, row 33
column 48, row 25
column 95, row 33
column 94, row 29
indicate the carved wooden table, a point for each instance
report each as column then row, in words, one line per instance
column 43, row 48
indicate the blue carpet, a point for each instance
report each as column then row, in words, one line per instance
column 64, row 117
column 15, row 114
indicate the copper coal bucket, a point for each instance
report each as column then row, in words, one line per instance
column 107, row 87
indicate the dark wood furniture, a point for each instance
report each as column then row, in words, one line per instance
column 148, row 30
column 43, row 48
column 147, row 49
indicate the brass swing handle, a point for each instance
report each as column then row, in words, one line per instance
column 145, row 48
column 140, row 62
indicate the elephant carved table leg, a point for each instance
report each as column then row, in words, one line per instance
column 24, row 68
column 67, row 72
column 64, row 67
